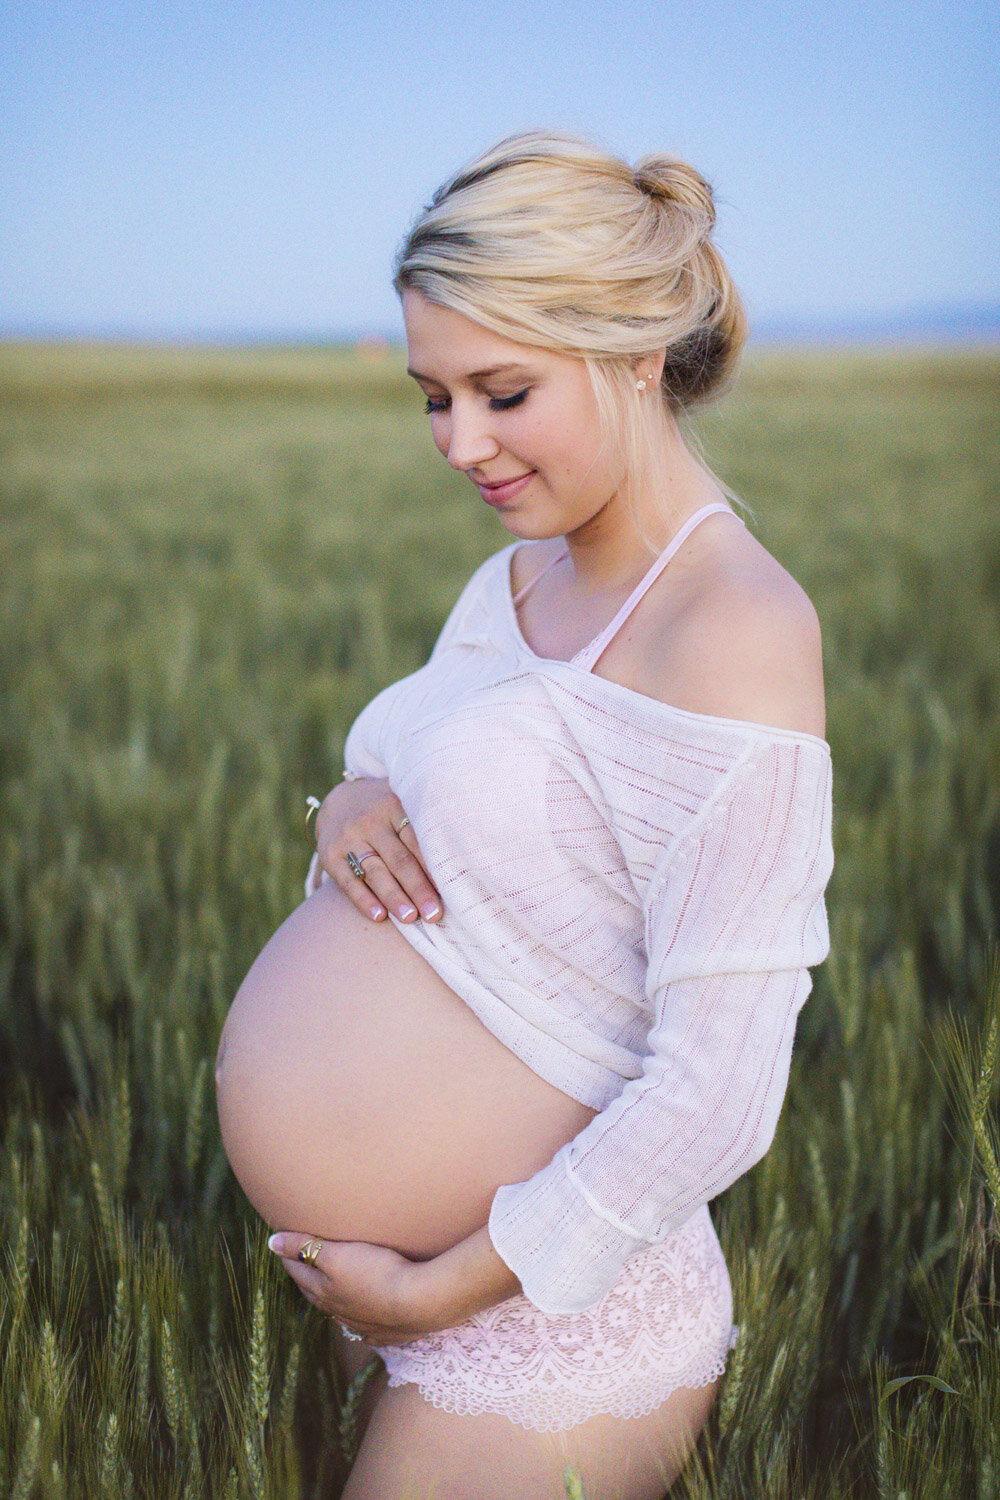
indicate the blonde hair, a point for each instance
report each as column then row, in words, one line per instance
column 550, row 241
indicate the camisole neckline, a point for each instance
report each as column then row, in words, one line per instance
column 593, row 650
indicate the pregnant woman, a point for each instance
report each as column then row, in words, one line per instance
column 537, row 1009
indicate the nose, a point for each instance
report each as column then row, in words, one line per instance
column 470, row 441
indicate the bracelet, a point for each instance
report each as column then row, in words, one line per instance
column 312, row 812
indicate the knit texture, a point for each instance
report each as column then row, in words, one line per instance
column 633, row 896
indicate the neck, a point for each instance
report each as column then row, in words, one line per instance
column 620, row 542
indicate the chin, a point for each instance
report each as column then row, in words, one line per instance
column 528, row 528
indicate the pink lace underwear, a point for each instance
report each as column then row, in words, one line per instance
column 666, row 1323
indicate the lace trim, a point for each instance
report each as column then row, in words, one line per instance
column 666, row 1323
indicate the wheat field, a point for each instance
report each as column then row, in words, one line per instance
column 211, row 560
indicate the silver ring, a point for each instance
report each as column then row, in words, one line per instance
column 350, row 1334
column 356, row 861
column 372, row 854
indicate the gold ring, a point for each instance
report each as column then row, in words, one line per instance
column 312, row 812
column 310, row 1250
column 404, row 824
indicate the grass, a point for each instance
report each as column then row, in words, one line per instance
column 211, row 561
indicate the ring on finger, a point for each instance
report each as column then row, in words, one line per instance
column 356, row 861
column 404, row 823
column 350, row 1334
column 309, row 1251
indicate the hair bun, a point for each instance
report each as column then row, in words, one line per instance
column 672, row 181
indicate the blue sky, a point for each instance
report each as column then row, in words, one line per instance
column 227, row 169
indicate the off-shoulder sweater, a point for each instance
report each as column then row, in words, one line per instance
column 633, row 895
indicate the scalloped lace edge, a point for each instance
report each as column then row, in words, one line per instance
column 538, row 1415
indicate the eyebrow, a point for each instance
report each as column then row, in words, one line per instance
column 473, row 374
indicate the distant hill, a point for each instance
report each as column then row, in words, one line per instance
column 970, row 323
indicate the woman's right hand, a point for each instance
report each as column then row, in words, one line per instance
column 366, row 815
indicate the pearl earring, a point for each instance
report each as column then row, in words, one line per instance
column 640, row 385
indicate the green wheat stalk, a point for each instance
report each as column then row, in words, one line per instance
column 143, row 1361
column 260, row 1375
column 289, row 1390
column 252, row 1454
column 107, row 1473
column 27, row 1461
column 195, row 1123
column 173, row 1399
column 347, row 1426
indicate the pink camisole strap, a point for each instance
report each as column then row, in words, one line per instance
column 539, row 576
column 587, row 658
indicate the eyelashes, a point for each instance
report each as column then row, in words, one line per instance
column 504, row 403
column 497, row 403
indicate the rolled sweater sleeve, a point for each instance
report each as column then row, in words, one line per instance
column 734, row 918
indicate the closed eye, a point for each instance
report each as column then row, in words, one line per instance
column 497, row 403
column 504, row 403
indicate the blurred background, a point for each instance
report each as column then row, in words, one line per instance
column 224, row 171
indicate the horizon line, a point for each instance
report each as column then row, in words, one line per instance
column 954, row 323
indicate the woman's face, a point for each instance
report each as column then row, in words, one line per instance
column 522, row 422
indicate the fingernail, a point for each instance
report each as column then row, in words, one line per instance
column 376, row 913
column 274, row 1243
column 405, row 912
column 430, row 910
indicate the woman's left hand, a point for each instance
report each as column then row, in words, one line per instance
column 388, row 1299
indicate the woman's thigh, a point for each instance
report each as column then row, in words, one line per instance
column 414, row 1451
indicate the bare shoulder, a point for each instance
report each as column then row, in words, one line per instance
column 743, row 643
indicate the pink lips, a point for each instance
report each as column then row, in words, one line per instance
column 506, row 489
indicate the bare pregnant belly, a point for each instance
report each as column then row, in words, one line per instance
column 360, row 1098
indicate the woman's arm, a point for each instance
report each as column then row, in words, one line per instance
column 734, row 919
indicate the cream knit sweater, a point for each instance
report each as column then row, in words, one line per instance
column 633, row 896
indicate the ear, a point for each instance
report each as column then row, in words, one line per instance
column 651, row 362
